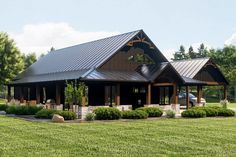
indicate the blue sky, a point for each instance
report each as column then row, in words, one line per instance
column 38, row 25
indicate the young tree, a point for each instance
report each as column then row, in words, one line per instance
column 11, row 61
column 191, row 53
column 29, row 59
column 180, row 55
column 202, row 51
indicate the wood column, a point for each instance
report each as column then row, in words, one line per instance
column 175, row 96
column 8, row 93
column 118, row 94
column 58, row 94
column 199, row 94
column 149, row 94
column 225, row 92
column 21, row 95
column 187, row 96
column 37, row 94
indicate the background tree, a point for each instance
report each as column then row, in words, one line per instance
column 202, row 51
column 191, row 53
column 29, row 59
column 180, row 55
column 11, row 61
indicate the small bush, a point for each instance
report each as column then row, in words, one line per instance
column 193, row 113
column 48, row 114
column 23, row 110
column 170, row 114
column 152, row 111
column 226, row 112
column 45, row 113
column 134, row 114
column 68, row 115
column 90, row 116
column 210, row 111
column 110, row 113
column 3, row 107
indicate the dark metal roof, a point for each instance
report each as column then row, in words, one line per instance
column 151, row 72
column 69, row 75
column 190, row 81
column 189, row 68
column 77, row 59
column 108, row 75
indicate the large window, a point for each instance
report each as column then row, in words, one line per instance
column 110, row 95
column 164, row 95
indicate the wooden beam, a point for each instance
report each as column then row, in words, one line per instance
column 212, row 83
column 187, row 97
column 21, row 95
column 149, row 94
column 118, row 94
column 37, row 94
column 175, row 96
column 58, row 94
column 225, row 92
column 8, row 93
column 163, row 84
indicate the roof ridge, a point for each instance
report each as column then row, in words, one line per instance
column 99, row 39
column 184, row 60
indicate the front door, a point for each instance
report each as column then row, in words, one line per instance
column 139, row 97
column 164, row 95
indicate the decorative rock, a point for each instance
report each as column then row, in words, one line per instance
column 57, row 118
column 2, row 112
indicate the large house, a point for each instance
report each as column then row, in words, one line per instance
column 126, row 69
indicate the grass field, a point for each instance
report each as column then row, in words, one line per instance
column 161, row 137
column 230, row 105
column 2, row 101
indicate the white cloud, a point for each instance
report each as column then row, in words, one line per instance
column 231, row 40
column 39, row 38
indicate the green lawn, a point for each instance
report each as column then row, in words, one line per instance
column 161, row 137
column 2, row 101
column 230, row 105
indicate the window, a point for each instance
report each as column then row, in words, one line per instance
column 110, row 95
column 164, row 95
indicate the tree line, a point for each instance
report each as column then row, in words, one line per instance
column 225, row 58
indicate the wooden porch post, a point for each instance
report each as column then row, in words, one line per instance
column 58, row 94
column 37, row 94
column 199, row 94
column 149, row 94
column 8, row 93
column 118, row 94
column 225, row 92
column 21, row 95
column 187, row 97
column 175, row 97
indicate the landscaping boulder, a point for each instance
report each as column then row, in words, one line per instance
column 57, row 118
column 2, row 112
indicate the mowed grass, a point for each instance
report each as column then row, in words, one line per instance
column 2, row 101
column 230, row 105
column 160, row 137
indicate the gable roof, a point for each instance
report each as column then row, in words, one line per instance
column 76, row 61
column 189, row 68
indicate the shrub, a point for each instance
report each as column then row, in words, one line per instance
column 193, row 113
column 23, row 110
column 68, row 115
column 45, row 113
column 226, row 112
column 90, row 116
column 3, row 107
column 110, row 113
column 134, row 114
column 170, row 114
column 210, row 111
column 152, row 111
